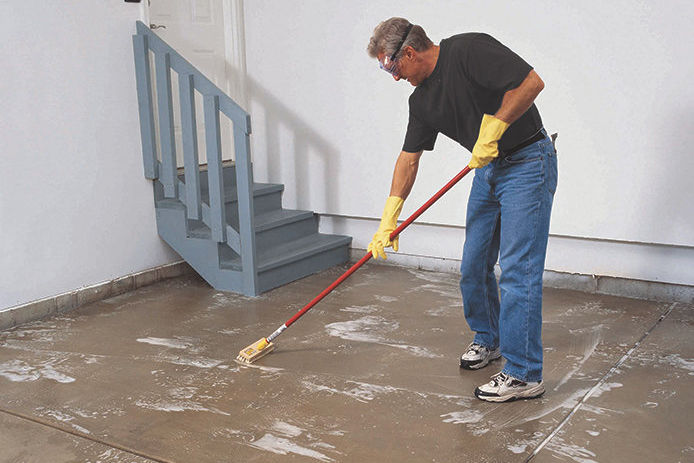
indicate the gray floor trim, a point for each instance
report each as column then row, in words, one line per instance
column 595, row 284
column 624, row 287
column 65, row 302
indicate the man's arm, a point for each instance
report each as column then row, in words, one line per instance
column 513, row 105
column 404, row 174
column 403, row 179
column 517, row 101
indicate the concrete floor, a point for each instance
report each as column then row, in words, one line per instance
column 370, row 374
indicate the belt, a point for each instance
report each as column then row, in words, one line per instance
column 535, row 138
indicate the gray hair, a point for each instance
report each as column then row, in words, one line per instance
column 388, row 34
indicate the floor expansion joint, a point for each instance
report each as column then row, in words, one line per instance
column 85, row 436
column 602, row 380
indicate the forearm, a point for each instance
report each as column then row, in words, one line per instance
column 517, row 101
column 404, row 174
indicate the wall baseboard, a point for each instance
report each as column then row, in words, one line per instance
column 71, row 300
column 594, row 284
column 624, row 287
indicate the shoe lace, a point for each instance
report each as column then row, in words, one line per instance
column 476, row 348
column 499, row 378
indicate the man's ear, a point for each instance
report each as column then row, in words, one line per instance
column 409, row 52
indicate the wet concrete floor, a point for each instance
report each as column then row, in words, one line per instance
column 370, row 374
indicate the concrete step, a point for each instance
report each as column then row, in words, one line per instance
column 283, row 262
column 277, row 225
column 291, row 251
column 288, row 245
column 266, row 197
column 290, row 261
column 300, row 268
column 283, row 225
column 228, row 175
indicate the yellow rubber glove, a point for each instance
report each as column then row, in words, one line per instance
column 486, row 148
column 389, row 222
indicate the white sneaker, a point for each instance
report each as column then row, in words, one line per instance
column 504, row 388
column 478, row 356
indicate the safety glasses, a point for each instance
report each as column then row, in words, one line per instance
column 390, row 63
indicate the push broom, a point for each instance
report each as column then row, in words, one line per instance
column 264, row 346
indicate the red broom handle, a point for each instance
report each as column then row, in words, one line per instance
column 395, row 233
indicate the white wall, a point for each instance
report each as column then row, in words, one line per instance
column 75, row 208
column 328, row 123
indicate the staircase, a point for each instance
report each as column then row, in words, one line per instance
column 231, row 230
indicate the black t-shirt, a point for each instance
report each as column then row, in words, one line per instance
column 472, row 74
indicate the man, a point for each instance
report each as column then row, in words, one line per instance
column 478, row 92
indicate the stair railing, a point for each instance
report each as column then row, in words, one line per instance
column 166, row 59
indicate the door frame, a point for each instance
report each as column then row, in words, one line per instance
column 234, row 54
column 234, row 47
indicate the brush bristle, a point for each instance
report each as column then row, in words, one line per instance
column 258, row 349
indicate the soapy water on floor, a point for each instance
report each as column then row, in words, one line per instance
column 172, row 343
column 374, row 329
column 177, row 406
column 177, row 398
column 674, row 364
column 62, row 417
column 480, row 419
column 362, row 392
column 370, row 328
column 589, row 339
column 524, row 444
column 443, row 284
column 463, row 417
column 360, row 309
column 605, row 387
column 445, row 291
column 269, row 371
column 477, row 421
column 677, row 361
column 577, row 453
column 283, row 438
column 284, row 446
column 199, row 362
column 187, row 344
column 21, row 371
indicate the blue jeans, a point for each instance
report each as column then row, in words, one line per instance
column 508, row 217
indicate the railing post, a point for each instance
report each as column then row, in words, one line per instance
column 190, row 146
column 144, row 103
column 215, row 179
column 244, row 184
column 166, row 128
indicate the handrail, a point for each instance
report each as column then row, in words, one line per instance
column 215, row 102
column 204, row 85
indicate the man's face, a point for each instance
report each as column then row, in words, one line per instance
column 404, row 67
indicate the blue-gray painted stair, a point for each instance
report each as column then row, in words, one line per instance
column 230, row 229
column 288, row 243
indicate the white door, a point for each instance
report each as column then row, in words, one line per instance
column 197, row 30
